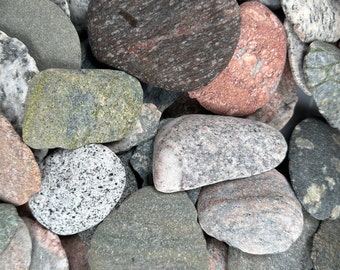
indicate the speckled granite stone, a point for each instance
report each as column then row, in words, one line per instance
column 9, row 222
column 79, row 188
column 72, row 108
column 314, row 167
column 63, row 4
column 198, row 150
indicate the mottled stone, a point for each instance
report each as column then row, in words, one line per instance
column 258, row 215
column 17, row 67
column 78, row 9
column 322, row 71
column 19, row 172
column 79, row 188
column 150, row 230
column 197, row 150
column 72, row 108
column 47, row 251
column 175, row 45
column 46, row 30
column 160, row 97
column 217, row 254
column 314, row 19
column 314, row 167
column 76, row 251
column 254, row 72
column 9, row 221
column 63, row 4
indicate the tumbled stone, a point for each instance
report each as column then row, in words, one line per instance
column 72, row 108
column 19, row 172
column 78, row 9
column 76, row 251
column 258, row 215
column 150, row 230
column 314, row 167
column 160, row 97
column 254, row 72
column 198, row 150
column 175, row 45
column 79, row 188
column 217, row 254
column 321, row 67
column 63, row 4
column 9, row 221
column 314, row 19
column 53, row 43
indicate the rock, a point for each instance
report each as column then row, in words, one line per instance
column 258, row 215
column 76, row 251
column 19, row 172
column 194, row 44
column 160, row 97
column 78, row 10
column 272, row 4
column 17, row 67
column 72, row 108
column 150, row 230
column 326, row 245
column 217, row 254
column 321, row 67
column 63, row 4
column 53, row 43
column 47, row 251
column 315, row 20
column 193, row 194
column 79, row 188
column 253, row 74
column 314, row 167
column 198, row 150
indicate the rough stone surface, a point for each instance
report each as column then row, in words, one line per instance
column 258, row 215
column 326, row 246
column 71, row 108
column 160, row 97
column 17, row 67
column 175, row 45
column 76, row 251
column 79, row 188
column 314, row 167
column 314, row 19
column 46, row 30
column 254, row 72
column 63, row 4
column 150, row 230
column 47, row 251
column 19, row 172
column 9, row 221
column 322, row 70
column 78, row 9
column 217, row 254
column 197, row 150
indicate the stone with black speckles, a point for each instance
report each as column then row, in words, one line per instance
column 314, row 167
column 79, row 188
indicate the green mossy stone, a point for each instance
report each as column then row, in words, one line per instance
column 72, row 108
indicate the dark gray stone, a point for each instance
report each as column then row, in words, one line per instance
column 9, row 222
column 160, row 97
column 78, row 9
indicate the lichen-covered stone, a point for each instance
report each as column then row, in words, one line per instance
column 72, row 108
column 9, row 222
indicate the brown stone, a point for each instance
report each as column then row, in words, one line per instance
column 218, row 252
column 19, row 172
column 253, row 74
column 76, row 251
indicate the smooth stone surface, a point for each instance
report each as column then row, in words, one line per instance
column 198, row 150
column 314, row 167
column 314, row 19
column 253, row 74
column 322, row 72
column 150, row 230
column 76, row 251
column 79, row 188
column 160, row 97
column 9, row 221
column 46, row 30
column 19, row 172
column 63, row 4
column 78, row 9
column 258, row 215
column 72, row 108
column 217, row 254
column 175, row 45
column 272, row 4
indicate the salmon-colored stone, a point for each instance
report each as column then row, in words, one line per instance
column 253, row 74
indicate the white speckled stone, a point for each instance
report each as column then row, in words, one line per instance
column 79, row 188
column 198, row 150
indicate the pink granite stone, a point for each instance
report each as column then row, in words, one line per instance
column 218, row 252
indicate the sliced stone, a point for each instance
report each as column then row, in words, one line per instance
column 72, row 108
column 217, row 254
column 79, row 188
column 175, row 45
column 198, row 150
column 258, row 215
column 150, row 230
column 253, row 74
column 314, row 167
column 63, row 4
column 322, row 70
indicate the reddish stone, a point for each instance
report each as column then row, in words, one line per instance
column 254, row 72
column 76, row 251
column 218, row 252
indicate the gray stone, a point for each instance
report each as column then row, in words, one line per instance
column 314, row 167
column 193, row 194
column 160, row 97
column 198, row 150
column 17, row 67
column 46, row 30
column 9, row 222
column 78, row 10
column 272, row 4
column 63, row 4
column 72, row 108
column 79, row 188
column 322, row 70
column 258, row 215
column 217, row 254
column 150, row 230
